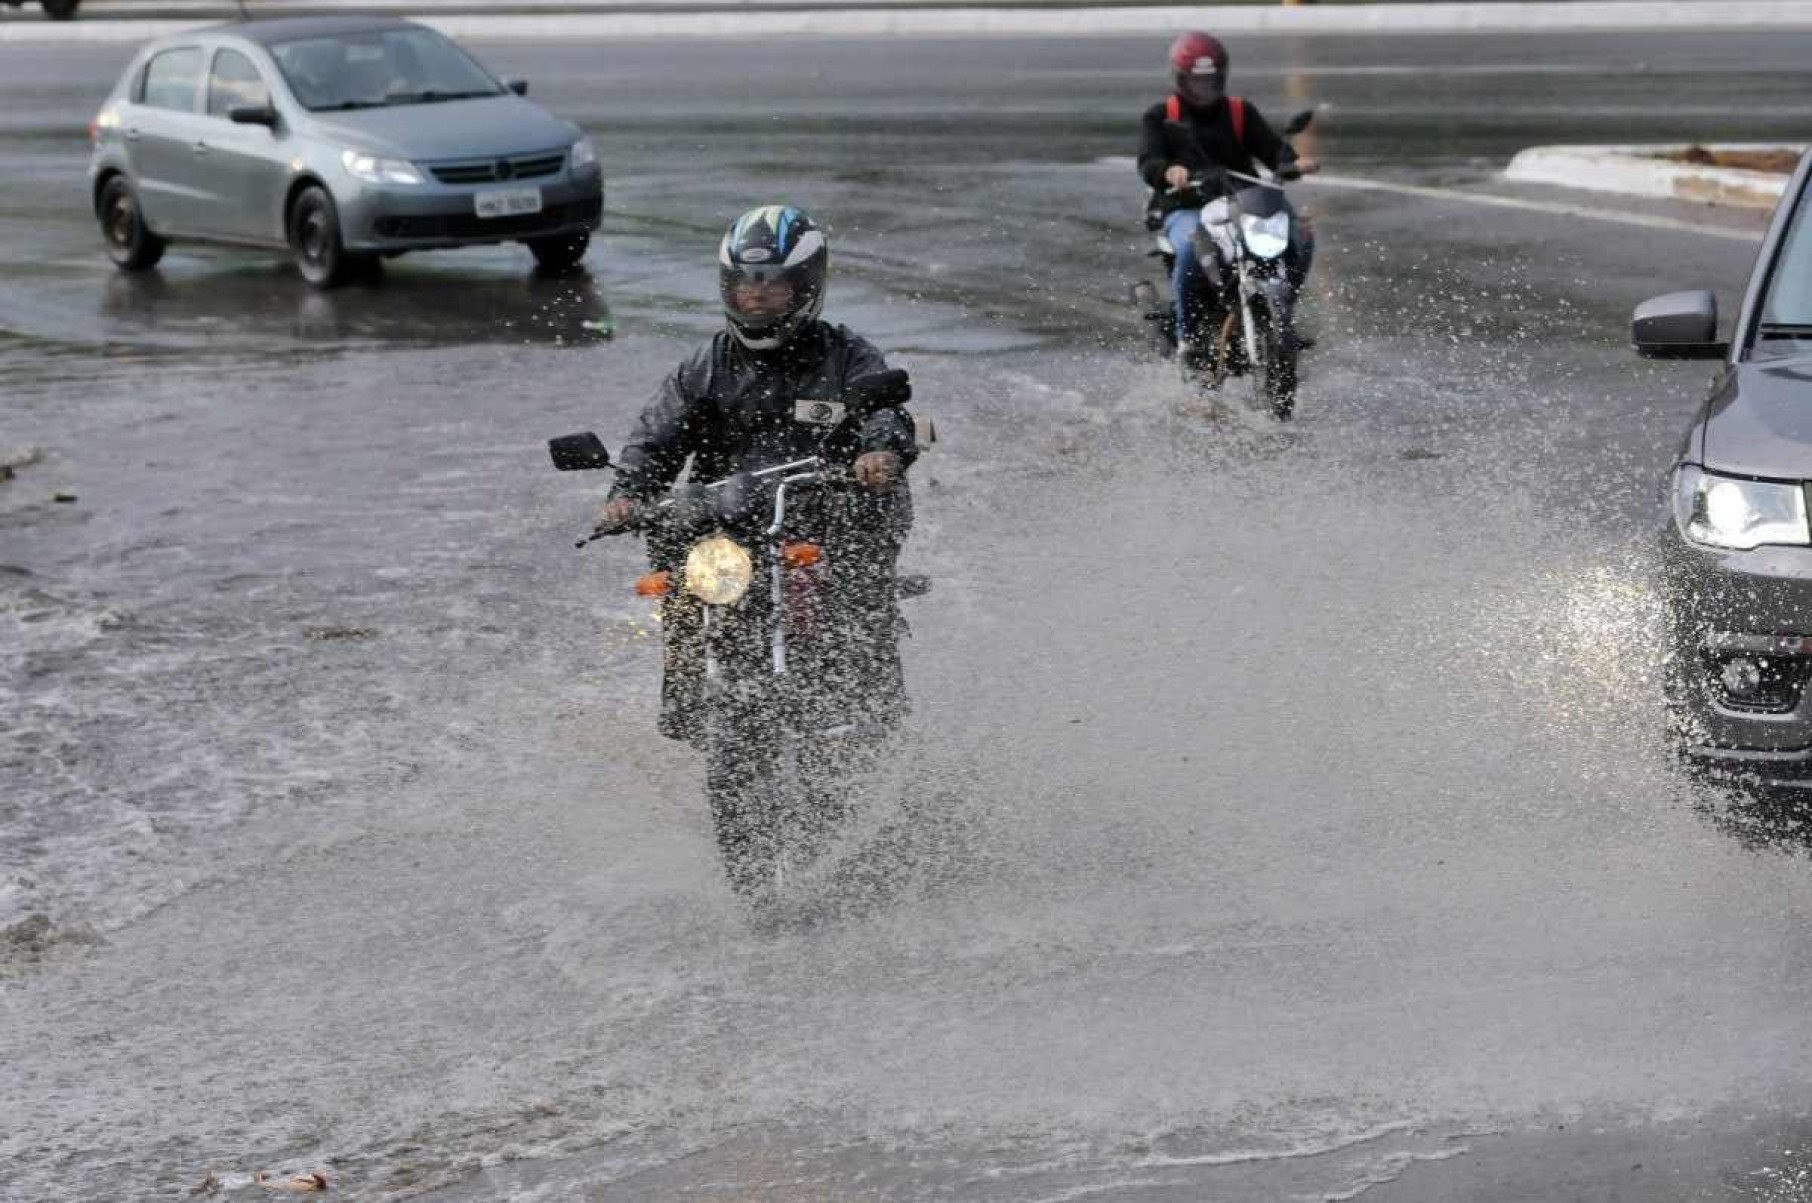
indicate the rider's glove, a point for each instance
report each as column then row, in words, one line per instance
column 617, row 513
column 877, row 469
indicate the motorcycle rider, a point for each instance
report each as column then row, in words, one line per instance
column 753, row 397
column 1199, row 130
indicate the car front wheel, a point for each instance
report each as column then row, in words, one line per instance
column 130, row 243
column 560, row 254
column 314, row 237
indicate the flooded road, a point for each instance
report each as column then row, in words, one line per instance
column 1287, row 813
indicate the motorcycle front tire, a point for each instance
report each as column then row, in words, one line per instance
column 744, row 781
column 1278, row 378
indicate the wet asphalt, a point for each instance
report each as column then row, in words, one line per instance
column 1286, row 816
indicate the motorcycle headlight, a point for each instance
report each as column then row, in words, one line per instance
column 1266, row 237
column 1722, row 511
column 718, row 571
column 374, row 170
column 582, row 155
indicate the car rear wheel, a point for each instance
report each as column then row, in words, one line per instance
column 314, row 237
column 559, row 254
column 130, row 243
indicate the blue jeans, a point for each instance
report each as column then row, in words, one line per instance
column 1190, row 285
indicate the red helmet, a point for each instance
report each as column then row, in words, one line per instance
column 1198, row 67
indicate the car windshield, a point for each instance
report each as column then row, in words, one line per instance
column 1786, row 321
column 378, row 68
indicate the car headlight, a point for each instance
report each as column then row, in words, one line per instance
column 1722, row 511
column 583, row 154
column 718, row 571
column 1266, row 237
column 374, row 170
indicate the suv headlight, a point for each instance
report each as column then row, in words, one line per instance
column 583, row 155
column 1723, row 511
column 374, row 170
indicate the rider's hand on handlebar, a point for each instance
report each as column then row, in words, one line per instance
column 1307, row 165
column 1177, row 176
column 617, row 514
column 877, row 469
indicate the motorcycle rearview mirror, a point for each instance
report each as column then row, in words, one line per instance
column 578, row 452
column 1299, row 123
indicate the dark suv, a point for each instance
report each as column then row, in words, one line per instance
column 56, row 10
column 1737, row 557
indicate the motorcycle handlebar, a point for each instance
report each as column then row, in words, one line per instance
column 1202, row 184
column 812, row 470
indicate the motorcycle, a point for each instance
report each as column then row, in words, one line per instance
column 759, row 643
column 1247, row 225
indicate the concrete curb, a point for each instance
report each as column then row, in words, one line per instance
column 606, row 20
column 1635, row 171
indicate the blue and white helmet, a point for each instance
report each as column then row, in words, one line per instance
column 764, row 250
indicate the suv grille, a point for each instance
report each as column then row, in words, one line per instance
column 492, row 171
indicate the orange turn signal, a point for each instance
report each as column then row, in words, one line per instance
column 654, row 584
column 801, row 555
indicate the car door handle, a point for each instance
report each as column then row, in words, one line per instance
column 132, row 133
column 202, row 148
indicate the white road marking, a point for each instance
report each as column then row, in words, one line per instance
column 1552, row 208
column 1314, row 70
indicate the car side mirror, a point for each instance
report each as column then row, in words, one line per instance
column 1680, row 325
column 518, row 86
column 1299, row 123
column 253, row 114
column 578, row 452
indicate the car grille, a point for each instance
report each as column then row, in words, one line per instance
column 492, row 171
column 470, row 225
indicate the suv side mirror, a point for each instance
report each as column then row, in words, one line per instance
column 1680, row 325
column 518, row 86
column 577, row 452
column 253, row 114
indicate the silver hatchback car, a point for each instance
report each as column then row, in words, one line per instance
column 342, row 139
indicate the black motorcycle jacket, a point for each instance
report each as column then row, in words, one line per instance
column 730, row 409
column 1205, row 138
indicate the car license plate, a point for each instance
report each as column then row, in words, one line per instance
column 507, row 202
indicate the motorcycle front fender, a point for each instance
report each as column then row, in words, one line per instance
column 1273, row 293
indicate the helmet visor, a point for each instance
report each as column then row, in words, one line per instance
column 760, row 294
column 1201, row 88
